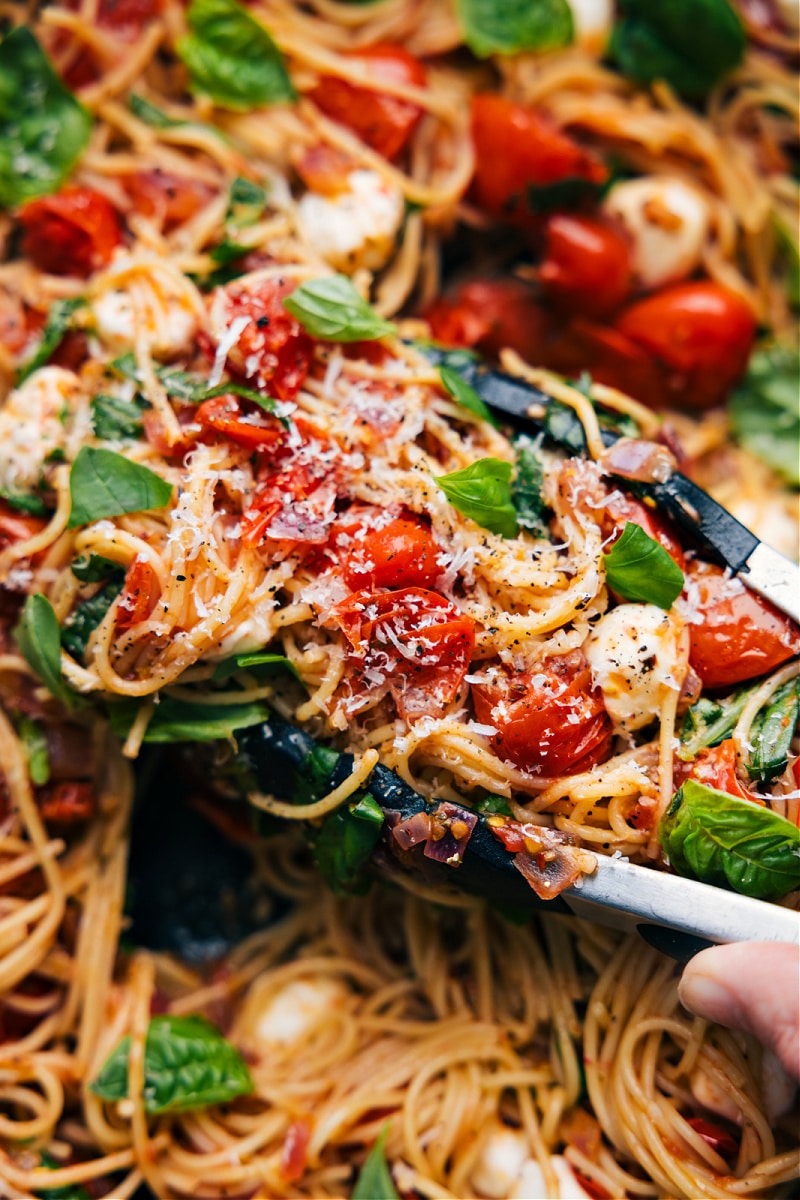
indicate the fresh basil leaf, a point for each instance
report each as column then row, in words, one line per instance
column 188, row 1064
column 250, row 662
column 34, row 743
column 95, row 568
column 465, row 395
column 58, row 323
column 717, row 838
column 72, row 1191
column 709, row 722
column 153, row 116
column 569, row 193
column 638, row 568
column 772, row 732
column 81, row 623
column 236, row 389
column 181, row 721
column 691, row 44
column 115, row 419
column 26, row 502
column 104, row 484
column 764, row 412
column 345, row 841
column 231, row 57
column 482, row 491
column 38, row 636
column 332, row 309
column 247, row 203
column 492, row 806
column 514, row 25
column 526, row 486
column 43, row 128
column 375, row 1180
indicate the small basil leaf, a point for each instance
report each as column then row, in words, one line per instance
column 188, row 1064
column 72, row 1191
column 466, row 396
column 247, row 203
column 81, row 623
column 43, row 128
column 232, row 58
column 25, row 502
column 691, row 44
column 345, row 841
column 375, row 1180
column 249, row 662
column 764, row 413
column 526, row 486
column 709, row 722
column 59, row 322
column 638, row 568
column 492, row 28
column 104, row 484
column 153, row 116
column 115, row 419
column 482, row 491
column 38, row 636
column 34, row 742
column 492, row 806
column 332, row 309
column 95, row 568
column 720, row 839
column 772, row 732
column 182, row 721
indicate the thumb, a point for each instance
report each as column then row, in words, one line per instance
column 753, row 987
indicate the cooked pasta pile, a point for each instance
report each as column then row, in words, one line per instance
column 237, row 480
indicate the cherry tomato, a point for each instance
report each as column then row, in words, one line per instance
column 273, row 349
column 609, row 356
column 715, row 767
column 140, row 594
column 412, row 643
column 715, row 1136
column 169, row 199
column 18, row 325
column 384, row 122
column 325, row 170
column 699, row 333
column 72, row 232
column 294, row 503
column 491, row 314
column 401, row 554
column 735, row 635
column 66, row 802
column 17, row 526
column 551, row 721
column 157, row 435
column 126, row 19
column 241, row 422
column 517, row 148
column 586, row 266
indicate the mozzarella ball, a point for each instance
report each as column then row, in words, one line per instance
column 271, row 1019
column 531, row 1186
column 667, row 221
column 356, row 228
column 635, row 655
column 592, row 21
column 33, row 426
column 499, row 1163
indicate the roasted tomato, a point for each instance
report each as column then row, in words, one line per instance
column 403, row 553
column 550, row 721
column 701, row 336
column 294, row 499
column 412, row 643
column 519, row 148
column 17, row 526
column 166, row 198
column 715, row 767
column 734, row 634
column 140, row 594
column 586, row 266
column 384, row 122
column 158, row 436
column 240, row 421
column 272, row 349
column 716, row 1137
column 490, row 314
column 72, row 232
column 66, row 802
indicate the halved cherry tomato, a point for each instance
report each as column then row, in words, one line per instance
column 716, row 1137
column 170, row 199
column 586, row 266
column 247, row 426
column 491, row 314
column 72, row 232
column 273, row 348
column 700, row 333
column 17, row 526
column 66, row 802
column 551, row 721
column 140, row 594
column 325, row 170
column 384, row 122
column 734, row 635
column 401, row 554
column 412, row 643
column 156, row 432
column 609, row 356
column 517, row 148
column 715, row 767
column 294, row 503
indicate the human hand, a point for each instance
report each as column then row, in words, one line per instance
column 751, row 986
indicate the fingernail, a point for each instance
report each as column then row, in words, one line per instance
column 706, row 996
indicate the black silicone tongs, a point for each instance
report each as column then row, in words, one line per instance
column 707, row 525
column 677, row 916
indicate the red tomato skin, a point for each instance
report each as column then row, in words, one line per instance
column 534, row 718
column 170, row 199
column 700, row 334
column 491, row 314
column 324, row 170
column 273, row 349
column 156, row 433
column 735, row 635
column 586, row 265
column 516, row 148
column 17, row 526
column 715, row 766
column 66, row 802
column 140, row 594
column 715, row 1136
column 385, row 123
column 401, row 554
column 73, row 232
column 225, row 415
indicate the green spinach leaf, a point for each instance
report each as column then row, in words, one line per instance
column 332, row 309
column 721, row 839
column 38, row 636
column 514, row 25
column 153, row 116
column 247, row 203
column 81, row 623
column 27, row 502
column 772, row 731
column 492, row 806
column 574, row 191
column 104, row 484
column 95, row 568
column 231, row 57
column 183, row 385
column 43, row 128
column 59, row 322
column 526, row 486
column 34, row 742
column 764, row 410
column 181, row 721
column 256, row 661
column 73, row 1191
column 638, row 568
column 482, row 491
column 115, row 419
column 465, row 395
column 375, row 1181
column 345, row 841
column 188, row 1064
